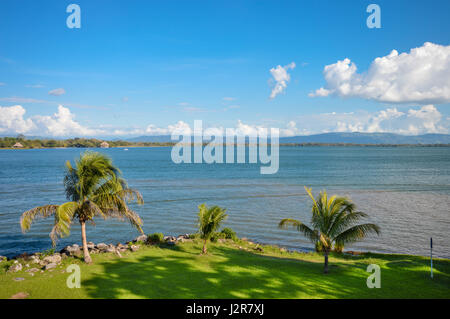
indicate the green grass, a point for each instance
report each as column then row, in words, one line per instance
column 228, row 272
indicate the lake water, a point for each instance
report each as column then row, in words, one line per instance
column 406, row 190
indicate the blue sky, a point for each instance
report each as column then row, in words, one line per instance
column 138, row 63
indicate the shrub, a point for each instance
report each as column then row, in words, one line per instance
column 156, row 238
column 228, row 233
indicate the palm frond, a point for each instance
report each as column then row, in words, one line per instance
column 63, row 219
column 42, row 211
column 305, row 230
column 356, row 233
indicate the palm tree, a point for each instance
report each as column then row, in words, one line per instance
column 95, row 189
column 333, row 222
column 209, row 220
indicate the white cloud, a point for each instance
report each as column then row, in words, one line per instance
column 414, row 121
column 57, row 92
column 62, row 123
column 281, row 77
column 420, row 76
column 12, row 121
column 228, row 98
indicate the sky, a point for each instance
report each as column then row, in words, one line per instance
column 153, row 67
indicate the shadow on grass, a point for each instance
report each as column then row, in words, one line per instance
column 225, row 273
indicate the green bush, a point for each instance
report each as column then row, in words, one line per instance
column 156, row 238
column 228, row 233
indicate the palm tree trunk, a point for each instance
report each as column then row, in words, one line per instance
column 204, row 247
column 325, row 268
column 87, row 257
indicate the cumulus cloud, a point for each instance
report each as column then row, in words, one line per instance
column 57, row 92
column 62, row 123
column 12, row 121
column 281, row 77
column 420, row 76
column 414, row 121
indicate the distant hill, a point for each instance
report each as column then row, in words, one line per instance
column 151, row 139
column 333, row 138
column 369, row 138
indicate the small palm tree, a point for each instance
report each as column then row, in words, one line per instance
column 333, row 222
column 94, row 188
column 209, row 220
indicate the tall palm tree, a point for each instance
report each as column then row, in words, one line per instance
column 333, row 222
column 95, row 188
column 209, row 220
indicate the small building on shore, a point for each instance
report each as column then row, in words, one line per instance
column 104, row 145
column 17, row 145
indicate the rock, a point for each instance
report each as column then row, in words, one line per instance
column 244, row 239
column 141, row 238
column 134, row 248
column 221, row 240
column 31, row 270
column 15, row 267
column 169, row 238
column 73, row 250
column 19, row 279
column 90, row 245
column 260, row 249
column 53, row 259
column 110, row 249
column 118, row 253
column 20, row 295
column 35, row 259
column 102, row 247
column 283, row 250
column 50, row 266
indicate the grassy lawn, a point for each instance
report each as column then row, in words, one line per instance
column 230, row 272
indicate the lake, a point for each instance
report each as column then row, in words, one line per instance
column 405, row 190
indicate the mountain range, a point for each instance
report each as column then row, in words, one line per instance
column 335, row 138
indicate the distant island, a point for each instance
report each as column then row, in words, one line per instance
column 325, row 139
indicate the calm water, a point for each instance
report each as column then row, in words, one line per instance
column 405, row 190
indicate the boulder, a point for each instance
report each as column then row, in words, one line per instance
column 73, row 250
column 20, row 295
column 102, row 247
column 35, row 259
column 50, row 266
column 134, row 248
column 15, row 267
column 141, row 238
column 110, row 249
column 53, row 259
column 169, row 238
column 90, row 245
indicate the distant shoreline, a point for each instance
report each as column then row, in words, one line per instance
column 150, row 145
